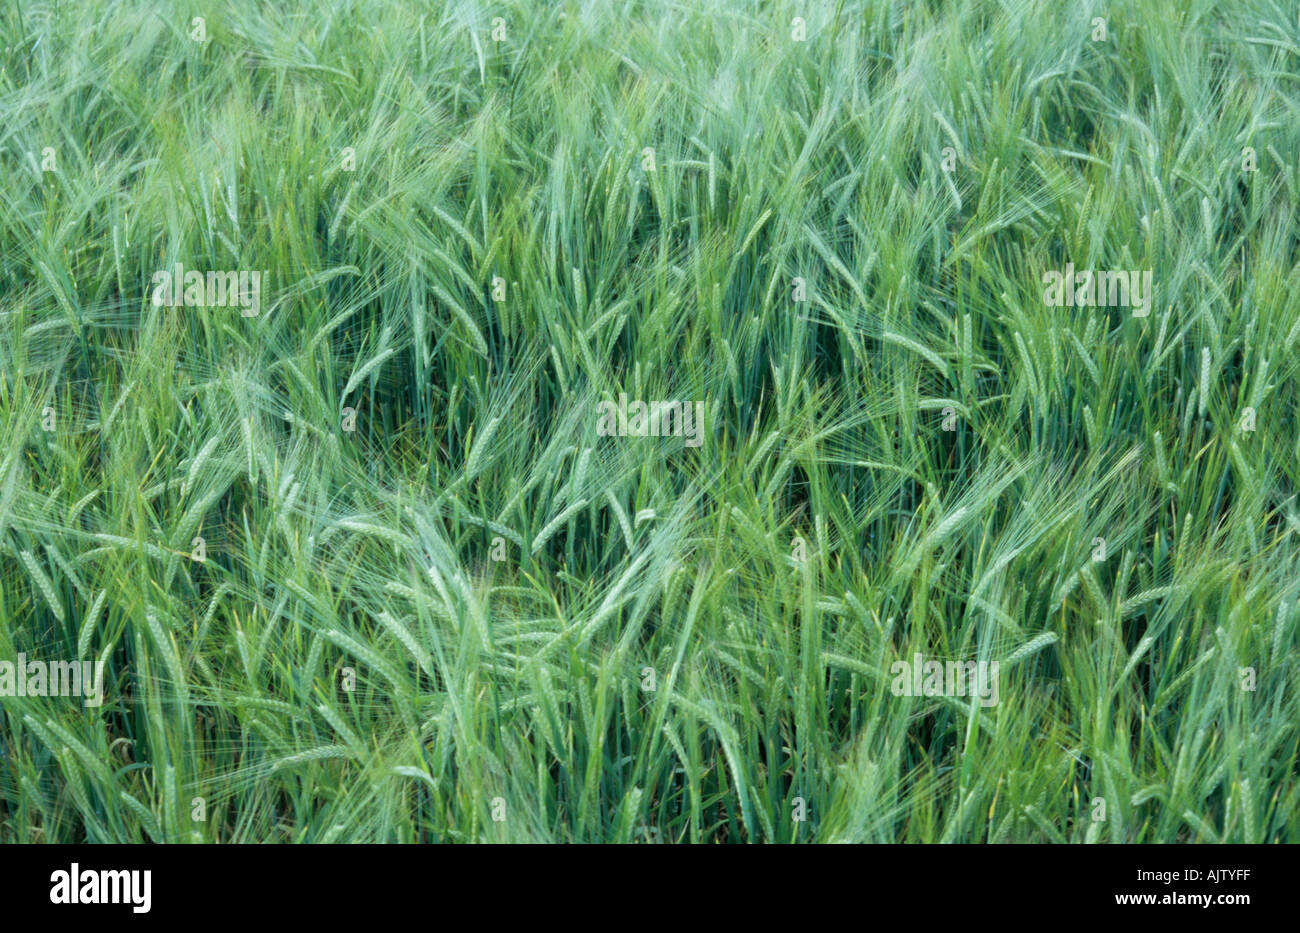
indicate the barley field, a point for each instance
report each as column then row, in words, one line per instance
column 617, row 421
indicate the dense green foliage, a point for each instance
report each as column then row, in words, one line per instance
column 509, row 700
